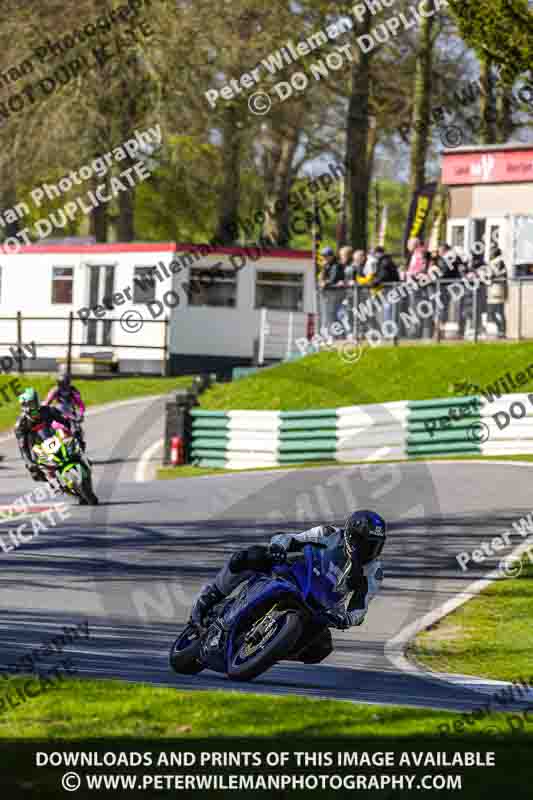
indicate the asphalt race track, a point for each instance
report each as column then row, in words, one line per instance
column 132, row 565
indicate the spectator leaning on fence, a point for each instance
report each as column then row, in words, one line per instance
column 449, row 263
column 345, row 260
column 330, row 281
column 417, row 257
column 367, row 269
column 386, row 273
column 472, row 301
column 343, row 310
column 497, row 291
column 416, row 264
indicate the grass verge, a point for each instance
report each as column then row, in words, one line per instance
column 93, row 391
column 160, row 723
column 383, row 374
column 80, row 709
column 490, row 636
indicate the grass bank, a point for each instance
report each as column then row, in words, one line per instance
column 491, row 635
column 383, row 374
column 93, row 391
column 160, row 723
column 79, row 709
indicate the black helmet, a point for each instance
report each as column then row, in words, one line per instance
column 64, row 383
column 365, row 532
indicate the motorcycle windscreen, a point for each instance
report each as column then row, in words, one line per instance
column 329, row 574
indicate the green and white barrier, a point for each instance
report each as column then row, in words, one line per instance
column 510, row 424
column 375, row 432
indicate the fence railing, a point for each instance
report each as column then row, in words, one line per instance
column 65, row 339
column 439, row 310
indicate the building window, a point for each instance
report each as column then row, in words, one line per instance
column 458, row 236
column 62, row 283
column 212, row 286
column 282, row 291
column 143, row 284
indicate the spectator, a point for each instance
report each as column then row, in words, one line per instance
column 497, row 291
column 331, row 279
column 417, row 259
column 416, row 264
column 448, row 263
column 472, row 299
column 360, row 282
column 358, row 263
column 450, row 268
column 345, row 259
column 343, row 310
column 386, row 273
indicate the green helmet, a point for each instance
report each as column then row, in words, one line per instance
column 29, row 401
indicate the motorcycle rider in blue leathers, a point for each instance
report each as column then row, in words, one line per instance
column 358, row 578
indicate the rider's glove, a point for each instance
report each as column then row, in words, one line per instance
column 277, row 554
column 282, row 540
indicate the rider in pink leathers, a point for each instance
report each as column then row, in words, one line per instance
column 68, row 399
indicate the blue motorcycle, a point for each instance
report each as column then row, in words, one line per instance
column 271, row 617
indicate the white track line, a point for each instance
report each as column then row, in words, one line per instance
column 144, row 461
column 395, row 647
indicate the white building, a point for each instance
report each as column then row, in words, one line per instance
column 121, row 294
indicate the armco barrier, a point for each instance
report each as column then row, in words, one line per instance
column 443, row 427
column 376, row 432
column 509, row 422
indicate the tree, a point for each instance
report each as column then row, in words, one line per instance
column 422, row 92
column 498, row 30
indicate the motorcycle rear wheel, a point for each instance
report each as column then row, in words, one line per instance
column 184, row 657
column 245, row 667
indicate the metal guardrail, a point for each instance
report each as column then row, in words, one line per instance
column 70, row 343
column 398, row 311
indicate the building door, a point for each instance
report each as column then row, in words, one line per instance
column 101, row 285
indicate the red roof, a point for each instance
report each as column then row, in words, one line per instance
column 153, row 247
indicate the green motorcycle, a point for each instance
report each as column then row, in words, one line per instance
column 62, row 452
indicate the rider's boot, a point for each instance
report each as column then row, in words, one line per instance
column 206, row 600
column 54, row 484
column 233, row 573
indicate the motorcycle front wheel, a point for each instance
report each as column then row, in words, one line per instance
column 184, row 657
column 251, row 658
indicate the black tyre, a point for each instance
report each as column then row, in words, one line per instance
column 247, row 663
column 184, row 657
column 86, row 492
